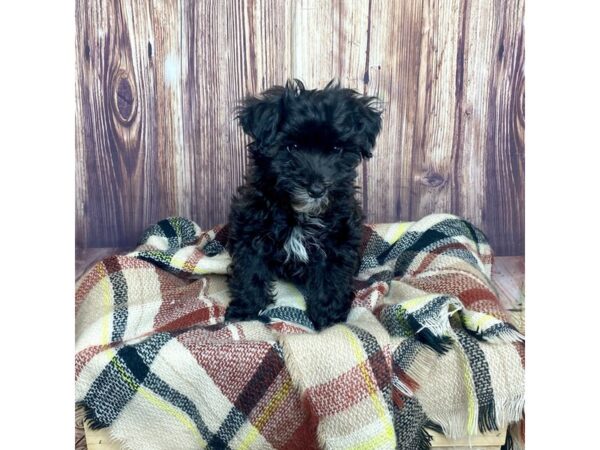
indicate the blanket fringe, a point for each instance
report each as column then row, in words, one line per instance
column 93, row 423
column 440, row 344
column 439, row 322
column 453, row 424
column 90, row 417
column 433, row 426
column 402, row 387
column 508, row 445
column 510, row 410
column 423, row 439
column 490, row 329
column 507, row 335
column 422, row 364
column 487, row 418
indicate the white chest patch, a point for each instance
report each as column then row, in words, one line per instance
column 294, row 246
column 300, row 238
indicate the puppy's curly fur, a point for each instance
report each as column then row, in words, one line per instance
column 297, row 218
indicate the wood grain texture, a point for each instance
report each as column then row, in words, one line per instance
column 127, row 175
column 158, row 82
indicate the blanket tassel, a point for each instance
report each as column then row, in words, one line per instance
column 440, row 344
column 90, row 417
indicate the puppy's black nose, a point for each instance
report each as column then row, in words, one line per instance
column 316, row 190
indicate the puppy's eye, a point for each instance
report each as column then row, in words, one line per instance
column 291, row 148
column 337, row 149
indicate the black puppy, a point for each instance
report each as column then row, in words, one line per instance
column 297, row 218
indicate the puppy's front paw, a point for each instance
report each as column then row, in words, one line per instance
column 325, row 321
column 236, row 313
column 325, row 312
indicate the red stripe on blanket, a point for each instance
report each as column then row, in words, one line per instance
column 87, row 283
column 112, row 264
column 221, row 234
column 350, row 387
column 491, row 307
column 287, row 328
column 445, row 283
column 398, row 398
column 433, row 254
column 192, row 260
column 472, row 292
column 205, row 336
column 230, row 365
column 367, row 233
column 185, row 304
column 365, row 298
column 107, row 266
column 200, row 316
column 278, row 414
column 405, row 378
column 85, row 356
column 470, row 296
column 305, row 437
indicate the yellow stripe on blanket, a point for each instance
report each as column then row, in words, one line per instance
column 396, row 231
column 144, row 392
column 154, row 399
column 278, row 398
column 471, row 401
column 111, row 354
column 476, row 321
column 286, row 294
column 388, row 434
column 413, row 304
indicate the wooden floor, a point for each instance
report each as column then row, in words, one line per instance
column 508, row 273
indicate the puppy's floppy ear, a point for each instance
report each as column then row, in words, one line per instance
column 367, row 119
column 360, row 116
column 260, row 116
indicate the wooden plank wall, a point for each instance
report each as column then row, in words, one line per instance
column 158, row 81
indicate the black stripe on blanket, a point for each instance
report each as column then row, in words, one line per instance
column 119, row 381
column 410, row 423
column 405, row 353
column 177, row 230
column 161, row 259
column 119, row 287
column 430, row 236
column 439, row 235
column 376, row 358
column 380, row 366
column 175, row 398
column 271, row 365
column 482, row 381
column 287, row 314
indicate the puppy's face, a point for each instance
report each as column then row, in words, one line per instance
column 309, row 143
column 311, row 166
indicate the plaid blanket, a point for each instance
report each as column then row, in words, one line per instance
column 426, row 345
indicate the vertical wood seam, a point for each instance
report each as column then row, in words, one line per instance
column 458, row 93
column 365, row 190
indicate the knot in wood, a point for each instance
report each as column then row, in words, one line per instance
column 433, row 179
column 124, row 99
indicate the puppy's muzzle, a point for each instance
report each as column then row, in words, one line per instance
column 316, row 190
